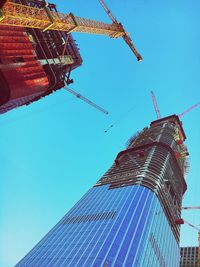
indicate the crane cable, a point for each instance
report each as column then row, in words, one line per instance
column 120, row 118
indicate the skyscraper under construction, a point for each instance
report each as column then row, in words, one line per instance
column 129, row 217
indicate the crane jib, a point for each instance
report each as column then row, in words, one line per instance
column 26, row 16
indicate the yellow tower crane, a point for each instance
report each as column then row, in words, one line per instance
column 12, row 14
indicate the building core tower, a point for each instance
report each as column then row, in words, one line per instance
column 129, row 217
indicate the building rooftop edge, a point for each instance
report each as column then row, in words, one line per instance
column 174, row 116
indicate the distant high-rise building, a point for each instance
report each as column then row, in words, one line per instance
column 129, row 217
column 34, row 63
column 189, row 257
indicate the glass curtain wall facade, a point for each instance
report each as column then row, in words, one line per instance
column 129, row 217
column 189, row 257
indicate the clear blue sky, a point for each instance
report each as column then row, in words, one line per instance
column 54, row 150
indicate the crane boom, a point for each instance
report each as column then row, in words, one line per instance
column 191, row 225
column 190, row 208
column 155, row 105
column 108, row 11
column 78, row 95
column 44, row 19
column 189, row 109
column 125, row 36
column 20, row 15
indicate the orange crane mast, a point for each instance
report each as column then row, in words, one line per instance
column 12, row 14
column 155, row 105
